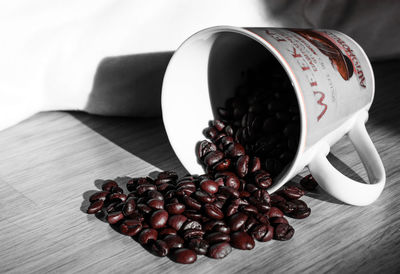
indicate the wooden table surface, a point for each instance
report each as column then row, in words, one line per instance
column 52, row 162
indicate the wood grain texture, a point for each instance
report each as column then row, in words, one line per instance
column 52, row 162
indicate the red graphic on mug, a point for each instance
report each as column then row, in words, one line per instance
column 340, row 62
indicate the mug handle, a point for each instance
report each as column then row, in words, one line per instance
column 340, row 186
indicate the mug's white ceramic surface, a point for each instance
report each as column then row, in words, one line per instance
column 329, row 72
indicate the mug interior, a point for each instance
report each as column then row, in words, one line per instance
column 202, row 74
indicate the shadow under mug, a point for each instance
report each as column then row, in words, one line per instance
column 332, row 79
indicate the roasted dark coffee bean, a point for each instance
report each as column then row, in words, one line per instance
column 222, row 228
column 309, row 182
column 291, row 192
column 210, row 132
column 95, row 207
column 276, row 199
column 186, row 183
column 108, row 185
column 242, row 165
column 167, row 231
column 222, row 165
column 248, row 225
column 218, row 124
column 145, row 187
column 258, row 231
column 269, row 234
column 193, row 214
column 217, row 237
column 192, row 233
column 175, row 208
column 226, row 141
column 262, row 195
column 176, row 221
column 242, row 240
column 278, row 220
column 262, row 179
column 229, row 192
column 136, row 215
column 251, row 188
column 231, row 209
column 100, row 195
column 165, row 187
column 235, row 150
column 219, row 250
column 130, row 227
column 143, row 208
column 209, row 186
column 199, row 246
column 154, row 194
column 300, row 205
column 170, row 194
column 213, row 157
column 300, row 214
column 174, row 241
column 208, row 226
column 184, row 256
column 262, row 218
column 237, row 220
column 249, row 209
column 213, row 211
column 170, row 175
column 262, row 206
column 129, row 207
column 254, row 164
column 191, row 224
column 191, row 203
column 117, row 189
column 283, row 232
column 204, row 197
column 160, row 248
column 131, row 184
column 274, row 212
column 155, row 203
column 185, row 190
column 286, row 207
column 159, row 219
column 115, row 217
column 146, row 235
column 244, row 194
column 204, row 147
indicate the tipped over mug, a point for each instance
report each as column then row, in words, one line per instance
column 331, row 77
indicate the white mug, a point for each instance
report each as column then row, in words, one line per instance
column 331, row 77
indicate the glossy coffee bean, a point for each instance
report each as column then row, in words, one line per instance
column 275, row 212
column 237, row 220
column 300, row 214
column 118, row 196
column 213, row 211
column 100, row 195
column 231, row 209
column 191, row 224
column 204, row 197
column 235, row 150
column 160, row 248
column 95, row 207
column 184, row 256
column 174, row 241
column 249, row 209
column 115, row 217
column 141, row 189
column 226, row 141
column 278, row 220
column 193, row 215
column 210, row 132
column 229, row 192
column 176, row 221
column 262, row 179
column 117, row 189
column 249, row 224
column 229, row 179
column 283, row 232
column 108, row 185
column 159, row 219
column 130, row 227
column 209, row 226
column 155, row 203
column 309, row 183
column 209, row 186
column 167, row 231
column 175, row 208
column 204, row 147
column 143, row 208
column 291, row 192
column 262, row 195
column 222, row 165
column 217, row 237
column 269, row 234
column 258, row 231
column 164, row 187
column 218, row 124
column 254, row 164
column 286, row 207
column 222, row 228
column 242, row 165
column 154, row 194
column 213, row 157
column 219, row 250
column 129, row 206
column 192, row 233
column 199, row 246
column 147, row 235
column 242, row 240
column 276, row 199
column 191, row 203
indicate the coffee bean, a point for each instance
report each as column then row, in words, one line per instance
column 276, row 199
column 143, row 208
column 160, row 248
column 176, row 221
column 308, row 182
column 191, row 203
column 95, row 207
column 204, row 197
column 129, row 207
column 274, row 212
column 213, row 157
column 164, row 187
column 192, row 233
column 231, row 209
column 155, row 203
column 174, row 241
column 130, row 227
column 258, row 231
column 218, row 124
column 118, row 196
column 222, row 165
column 209, row 186
column 175, row 208
column 249, row 224
column 242, row 240
column 235, row 150
column 249, row 209
column 222, row 228
column 100, row 195
column 286, row 207
column 269, row 234
column 154, row 194
column 254, row 164
column 217, row 237
column 219, row 250
column 278, row 220
column 300, row 214
column 115, row 217
column 145, row 187
column 200, row 246
column 291, row 192
column 184, row 256
column 209, row 226
column 213, row 211
column 108, row 185
column 159, row 219
column 262, row 179
column 237, row 220
column 167, row 231
column 242, row 165
column 192, row 224
column 193, row 214
column 146, row 235
column 283, row 232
